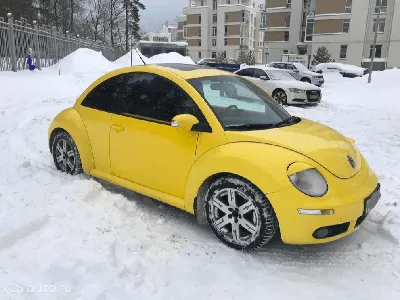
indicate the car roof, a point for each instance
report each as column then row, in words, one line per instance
column 263, row 67
column 186, row 71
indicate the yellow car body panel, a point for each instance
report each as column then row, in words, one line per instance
column 170, row 165
column 70, row 121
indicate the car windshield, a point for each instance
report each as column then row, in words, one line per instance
column 300, row 67
column 241, row 105
column 280, row 75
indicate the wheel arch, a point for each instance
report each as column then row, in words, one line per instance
column 71, row 122
column 277, row 90
column 305, row 78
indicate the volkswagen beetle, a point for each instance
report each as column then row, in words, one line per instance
column 217, row 146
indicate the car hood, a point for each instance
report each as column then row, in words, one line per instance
column 296, row 84
column 318, row 142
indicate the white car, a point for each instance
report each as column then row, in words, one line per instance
column 300, row 72
column 344, row 69
column 283, row 87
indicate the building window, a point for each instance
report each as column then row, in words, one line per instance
column 200, row 32
column 228, row 2
column 213, row 54
column 263, row 20
column 307, row 4
column 225, row 42
column 343, row 51
column 243, row 16
column 214, row 31
column 349, row 4
column 224, row 53
column 303, row 36
column 215, row 19
column 378, row 51
column 285, row 51
column 289, row 4
column 287, row 20
column 286, row 36
column 304, row 20
column 214, row 43
column 184, row 31
column 215, row 4
column 383, row 8
column 309, row 30
column 201, row 4
column 226, row 17
column 226, row 30
column 199, row 43
column 380, row 24
column 346, row 25
column 199, row 19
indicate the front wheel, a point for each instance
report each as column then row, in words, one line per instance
column 65, row 154
column 239, row 214
column 280, row 97
column 306, row 80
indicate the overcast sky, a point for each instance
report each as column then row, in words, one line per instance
column 159, row 11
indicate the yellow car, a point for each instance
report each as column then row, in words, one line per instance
column 217, row 146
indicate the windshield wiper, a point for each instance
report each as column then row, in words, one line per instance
column 287, row 121
column 249, row 126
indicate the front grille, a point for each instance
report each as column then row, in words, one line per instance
column 313, row 96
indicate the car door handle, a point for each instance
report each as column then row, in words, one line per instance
column 117, row 128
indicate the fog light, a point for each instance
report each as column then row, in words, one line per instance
column 320, row 212
column 321, row 233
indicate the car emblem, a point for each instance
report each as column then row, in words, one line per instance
column 351, row 161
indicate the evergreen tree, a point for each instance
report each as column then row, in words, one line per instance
column 242, row 58
column 132, row 19
column 322, row 56
column 221, row 58
column 251, row 59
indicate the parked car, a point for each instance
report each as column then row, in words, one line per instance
column 217, row 146
column 344, row 69
column 205, row 61
column 283, row 87
column 300, row 72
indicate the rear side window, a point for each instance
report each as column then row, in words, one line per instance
column 154, row 98
column 258, row 73
column 246, row 72
column 290, row 67
column 106, row 95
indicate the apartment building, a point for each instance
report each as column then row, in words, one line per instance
column 229, row 26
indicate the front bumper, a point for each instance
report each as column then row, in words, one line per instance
column 304, row 97
column 318, row 82
column 346, row 199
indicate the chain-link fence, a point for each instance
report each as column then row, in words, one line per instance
column 48, row 45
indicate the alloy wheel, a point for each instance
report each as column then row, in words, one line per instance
column 280, row 97
column 235, row 216
column 65, row 156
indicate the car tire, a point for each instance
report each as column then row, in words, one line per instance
column 239, row 214
column 305, row 79
column 65, row 154
column 280, row 96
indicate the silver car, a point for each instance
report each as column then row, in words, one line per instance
column 300, row 72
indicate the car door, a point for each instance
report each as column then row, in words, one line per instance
column 96, row 111
column 293, row 71
column 144, row 147
column 264, row 84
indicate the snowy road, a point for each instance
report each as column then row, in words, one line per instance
column 86, row 240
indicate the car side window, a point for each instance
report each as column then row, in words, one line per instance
column 246, row 72
column 290, row 67
column 106, row 95
column 154, row 98
column 258, row 73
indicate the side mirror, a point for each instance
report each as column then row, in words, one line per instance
column 184, row 122
column 296, row 71
column 264, row 78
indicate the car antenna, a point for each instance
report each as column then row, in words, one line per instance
column 139, row 56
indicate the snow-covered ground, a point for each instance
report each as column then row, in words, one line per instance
column 65, row 237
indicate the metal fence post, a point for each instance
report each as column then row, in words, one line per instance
column 11, row 37
column 36, row 43
column 68, row 43
column 54, row 34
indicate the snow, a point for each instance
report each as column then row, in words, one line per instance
column 66, row 237
column 172, row 57
column 82, row 61
column 341, row 67
column 125, row 61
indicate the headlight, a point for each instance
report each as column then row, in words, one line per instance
column 310, row 182
column 295, row 90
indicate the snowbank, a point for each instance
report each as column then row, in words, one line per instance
column 125, row 61
column 171, row 57
column 82, row 61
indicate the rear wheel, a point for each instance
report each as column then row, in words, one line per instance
column 280, row 97
column 239, row 214
column 65, row 154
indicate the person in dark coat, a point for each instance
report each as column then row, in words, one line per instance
column 30, row 61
